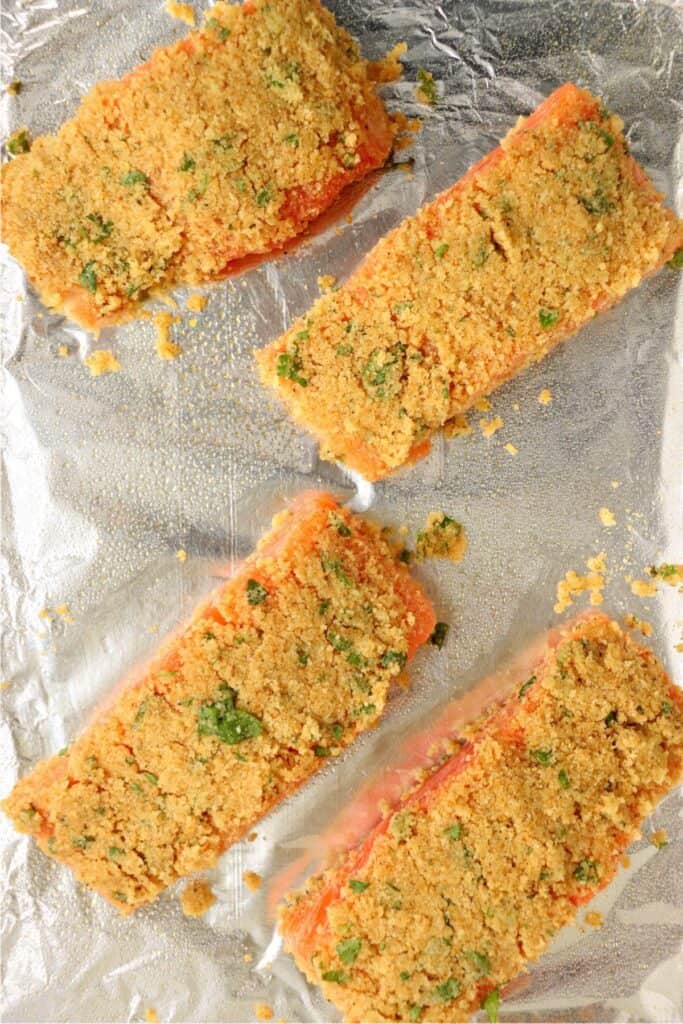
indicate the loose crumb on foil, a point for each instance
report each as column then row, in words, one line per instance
column 181, row 11
column 197, row 898
column 638, row 624
column 545, row 396
column 389, row 68
column 165, row 348
column 667, row 572
column 263, row 1011
column 491, row 427
column 574, row 584
column 425, row 91
column 62, row 351
column 594, row 919
column 641, row 588
column 509, row 447
column 483, row 405
column 607, row 517
column 659, row 838
column 459, row 426
column 326, row 282
column 252, row 880
column 441, row 537
column 102, row 361
column 151, row 1016
column 196, row 303
column 181, row 555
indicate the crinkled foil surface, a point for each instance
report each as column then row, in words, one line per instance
column 104, row 480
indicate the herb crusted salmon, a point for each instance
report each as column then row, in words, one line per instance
column 475, row 871
column 552, row 227
column 282, row 668
column 224, row 144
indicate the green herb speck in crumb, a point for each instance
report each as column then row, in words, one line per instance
column 491, row 1005
column 114, row 852
column 479, row 960
column 134, row 178
column 88, row 278
column 543, row 755
column 19, row 142
column 340, row 526
column 188, row 163
column 256, row 592
column 676, row 261
column 289, row 366
column 525, row 686
column 548, row 317
column 337, row 976
column 454, row 831
column 427, row 85
column 215, row 26
column 151, row 777
column 563, row 779
column 355, row 885
column 441, row 250
column 348, row 950
column 415, row 1012
column 667, row 707
column 321, row 751
column 586, row 871
column 447, row 990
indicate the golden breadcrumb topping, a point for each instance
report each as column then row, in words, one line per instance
column 441, row 537
column 546, row 231
column 196, row 898
column 473, row 874
column 286, row 664
column 225, row 143
column 102, row 360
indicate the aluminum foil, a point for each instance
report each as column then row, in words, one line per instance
column 104, row 480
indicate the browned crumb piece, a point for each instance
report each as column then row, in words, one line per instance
column 594, row 919
column 224, row 144
column 459, row 426
column 263, row 1011
column 441, row 537
column 252, row 836
column 165, row 348
column 15, row 87
column 641, row 588
column 659, row 838
column 181, row 11
column 290, row 659
column 667, row 572
column 474, row 873
column 102, row 360
column 481, row 282
column 425, row 91
column 574, row 584
column 640, row 624
column 197, row 898
column 252, row 880
column 196, row 303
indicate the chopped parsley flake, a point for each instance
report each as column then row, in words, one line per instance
column 289, row 366
column 134, row 178
column 563, row 779
column 88, row 278
column 667, row 707
column 393, row 658
column 104, row 227
column 321, row 751
column 348, row 950
column 263, row 197
column 611, row 718
column 222, row 719
column 335, row 566
column 525, row 686
column 215, row 26
column 548, row 317
column 491, row 1005
column 339, row 525
column 114, row 851
column 543, row 755
column 441, row 250
column 337, row 976
column 151, row 777
column 355, row 885
column 427, row 85
column 676, row 261
column 18, row 143
column 447, row 990
column 454, row 831
column 586, row 871
column 479, row 960
column 188, row 163
column 256, row 592
column 415, row 1012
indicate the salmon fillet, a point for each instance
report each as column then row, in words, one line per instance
column 470, row 877
column 224, row 144
column 552, row 227
column 279, row 670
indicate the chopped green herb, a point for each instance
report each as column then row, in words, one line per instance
column 366, row 709
column 337, row 731
column 115, row 851
column 324, row 606
column 82, row 842
column 120, row 896
column 406, row 556
column 382, row 372
column 289, row 365
column 453, row 831
column 88, row 278
column 586, row 871
column 215, row 26
column 563, row 779
column 667, row 707
column 256, row 592
column 137, row 788
column 263, row 197
column 525, row 686
column 188, row 163
column 134, row 178
column 339, row 525
column 292, row 139
column 52, row 844
column 611, row 718
column 337, row 976
column 348, row 950
column 92, row 762
column 18, row 143
column 447, row 990
column 597, row 204
column 355, row 885
column 404, row 975
column 393, row 658
column 344, row 350
column 302, row 656
column 441, row 251
column 335, row 565
column 491, row 1005
column 439, row 634
column 415, row 1011
column 63, row 751
column 548, row 317
column 222, row 719
column 151, row 777
column 543, row 755
column 427, row 85
column 479, row 960
column 104, row 227
column 321, row 751
column 676, row 261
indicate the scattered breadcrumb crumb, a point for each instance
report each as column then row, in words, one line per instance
column 192, row 321
column 181, row 11
column 181, row 555
column 490, row 427
column 44, row 613
column 389, row 68
column 607, row 517
column 615, row 483
column 594, row 919
column 509, row 447
column 196, row 898
column 102, row 360
column 573, row 584
column 641, row 588
column 326, row 282
column 62, row 350
column 248, row 958
column 151, row 1016
column 62, row 609
column 668, row 572
column 545, row 396
column 165, row 348
column 263, row 1011
column 252, row 836
column 640, row 624
column 459, row 426
column 196, row 303
column 15, row 87
column 403, row 143
column 659, row 838
column 625, row 860
column 441, row 537
column 252, row 880
column 425, row 91
column 4, row 685
column 483, row 405
column 154, row 629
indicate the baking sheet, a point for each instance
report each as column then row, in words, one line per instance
column 104, row 480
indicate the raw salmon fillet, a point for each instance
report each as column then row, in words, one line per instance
column 281, row 669
column 552, row 227
column 474, row 872
column 224, row 144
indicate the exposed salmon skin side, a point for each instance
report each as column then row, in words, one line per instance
column 275, row 673
column 222, row 146
column 467, row 880
column 552, row 227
